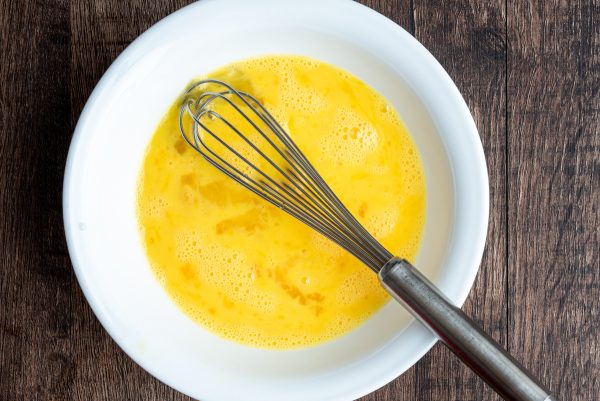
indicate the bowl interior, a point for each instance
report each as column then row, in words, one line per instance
column 109, row 145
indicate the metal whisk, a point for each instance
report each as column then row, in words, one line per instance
column 237, row 135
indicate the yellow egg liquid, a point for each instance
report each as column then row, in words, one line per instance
column 244, row 269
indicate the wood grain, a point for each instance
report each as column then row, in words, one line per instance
column 554, row 193
column 35, row 285
column 529, row 72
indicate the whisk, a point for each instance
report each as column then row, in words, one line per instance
column 234, row 132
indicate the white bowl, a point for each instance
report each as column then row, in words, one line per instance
column 107, row 150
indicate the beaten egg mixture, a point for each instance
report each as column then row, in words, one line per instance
column 244, row 269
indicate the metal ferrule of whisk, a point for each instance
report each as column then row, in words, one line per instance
column 214, row 116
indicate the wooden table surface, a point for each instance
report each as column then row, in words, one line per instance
column 530, row 74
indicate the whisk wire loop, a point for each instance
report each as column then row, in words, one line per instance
column 293, row 184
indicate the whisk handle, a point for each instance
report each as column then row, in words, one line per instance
column 478, row 350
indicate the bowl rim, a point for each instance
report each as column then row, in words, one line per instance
column 137, row 49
